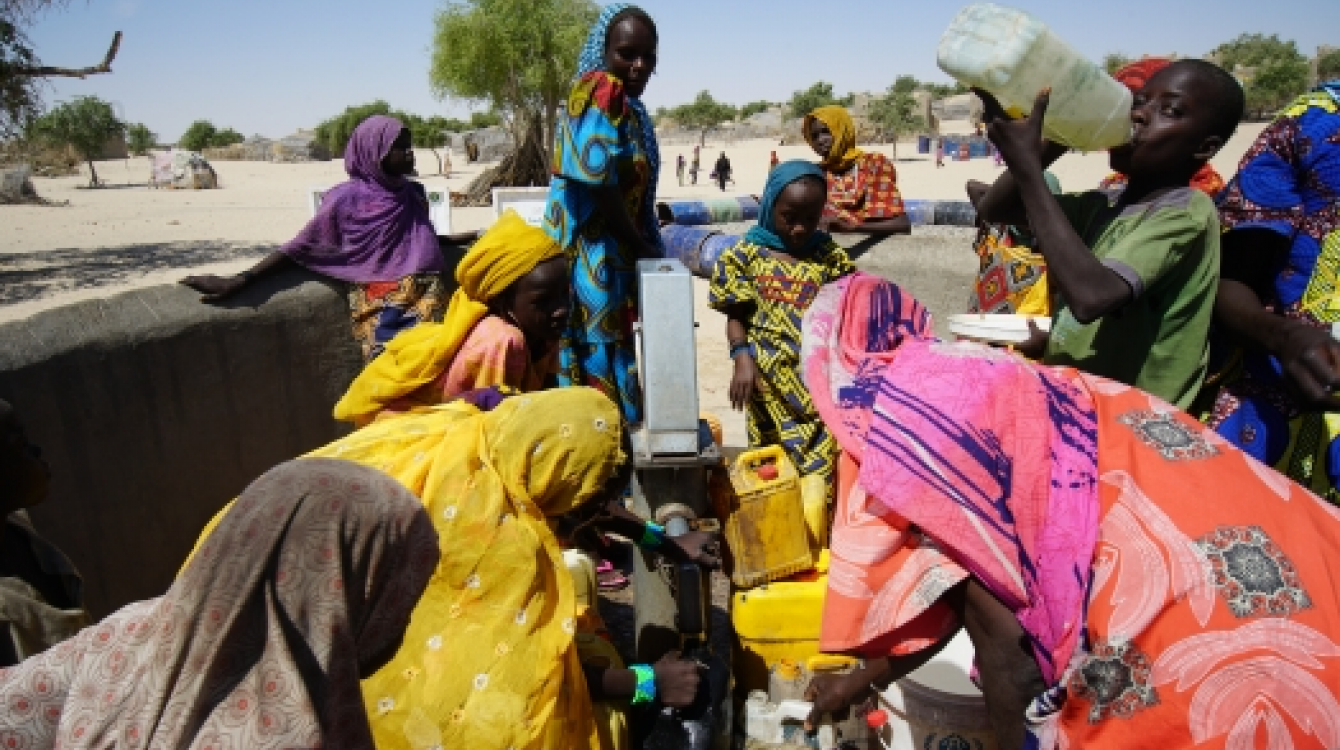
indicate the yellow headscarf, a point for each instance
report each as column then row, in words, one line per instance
column 510, row 249
column 844, row 152
column 489, row 658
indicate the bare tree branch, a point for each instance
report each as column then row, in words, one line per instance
column 48, row 72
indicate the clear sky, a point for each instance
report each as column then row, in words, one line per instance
column 273, row 66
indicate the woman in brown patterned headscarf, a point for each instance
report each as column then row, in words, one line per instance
column 306, row 586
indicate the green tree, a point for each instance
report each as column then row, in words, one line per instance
column 1114, row 61
column 84, row 124
column 702, row 114
column 1273, row 70
column 941, row 90
column 226, row 137
column 517, row 56
column 819, row 95
column 334, row 133
column 895, row 114
column 432, row 133
column 1328, row 66
column 481, row 120
column 198, row 137
column 139, row 138
column 753, row 108
column 905, row 85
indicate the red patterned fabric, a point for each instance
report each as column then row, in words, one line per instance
column 869, row 190
column 262, row 640
column 1207, row 180
column 1138, row 73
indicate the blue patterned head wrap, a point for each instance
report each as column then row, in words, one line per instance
column 1331, row 87
column 593, row 60
column 765, row 232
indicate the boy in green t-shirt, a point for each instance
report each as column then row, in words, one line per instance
column 1135, row 270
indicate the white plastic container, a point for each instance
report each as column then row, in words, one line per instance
column 784, row 723
column 582, row 568
column 1014, row 56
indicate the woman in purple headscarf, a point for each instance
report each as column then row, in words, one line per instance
column 373, row 232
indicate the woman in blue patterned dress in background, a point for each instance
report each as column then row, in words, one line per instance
column 1279, row 296
column 601, row 203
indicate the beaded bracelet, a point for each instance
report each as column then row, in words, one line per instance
column 741, row 348
column 645, row 692
column 653, row 536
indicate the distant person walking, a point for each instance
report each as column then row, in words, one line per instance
column 939, row 152
column 679, row 169
column 773, row 162
column 694, row 167
column 371, row 231
column 722, row 171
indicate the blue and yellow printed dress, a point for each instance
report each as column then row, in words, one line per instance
column 601, row 141
column 780, row 292
column 1289, row 183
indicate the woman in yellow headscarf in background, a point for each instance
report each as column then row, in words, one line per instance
column 497, row 653
column 862, row 185
column 502, row 329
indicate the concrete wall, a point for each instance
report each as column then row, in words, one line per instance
column 936, row 268
column 154, row 410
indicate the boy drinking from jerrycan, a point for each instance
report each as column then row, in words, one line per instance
column 1135, row 268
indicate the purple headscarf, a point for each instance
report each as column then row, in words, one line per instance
column 375, row 226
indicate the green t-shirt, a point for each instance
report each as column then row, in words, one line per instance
column 1168, row 251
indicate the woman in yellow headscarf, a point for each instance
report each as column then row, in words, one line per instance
column 862, row 185
column 497, row 653
column 501, row 329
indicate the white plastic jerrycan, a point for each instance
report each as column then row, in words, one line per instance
column 1014, row 56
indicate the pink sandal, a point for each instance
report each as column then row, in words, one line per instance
column 609, row 579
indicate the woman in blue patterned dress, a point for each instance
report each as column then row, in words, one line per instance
column 1279, row 296
column 601, row 203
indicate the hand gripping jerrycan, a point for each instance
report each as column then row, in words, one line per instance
column 1013, row 55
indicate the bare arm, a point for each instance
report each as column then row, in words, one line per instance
column 610, row 204
column 215, row 288
column 1309, row 356
column 744, row 380
column 676, row 681
column 1090, row 289
column 976, row 190
column 833, row 693
column 1009, row 674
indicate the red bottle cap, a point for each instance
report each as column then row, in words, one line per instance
column 877, row 718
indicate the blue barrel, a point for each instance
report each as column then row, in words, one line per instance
column 920, row 211
column 978, row 148
column 748, row 208
column 712, row 211
column 688, row 213
column 955, row 214
column 710, row 252
column 923, row 144
column 684, row 243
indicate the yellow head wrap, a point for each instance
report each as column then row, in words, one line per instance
column 510, row 249
column 489, row 658
column 844, row 152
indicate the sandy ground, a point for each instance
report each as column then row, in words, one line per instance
column 128, row 235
